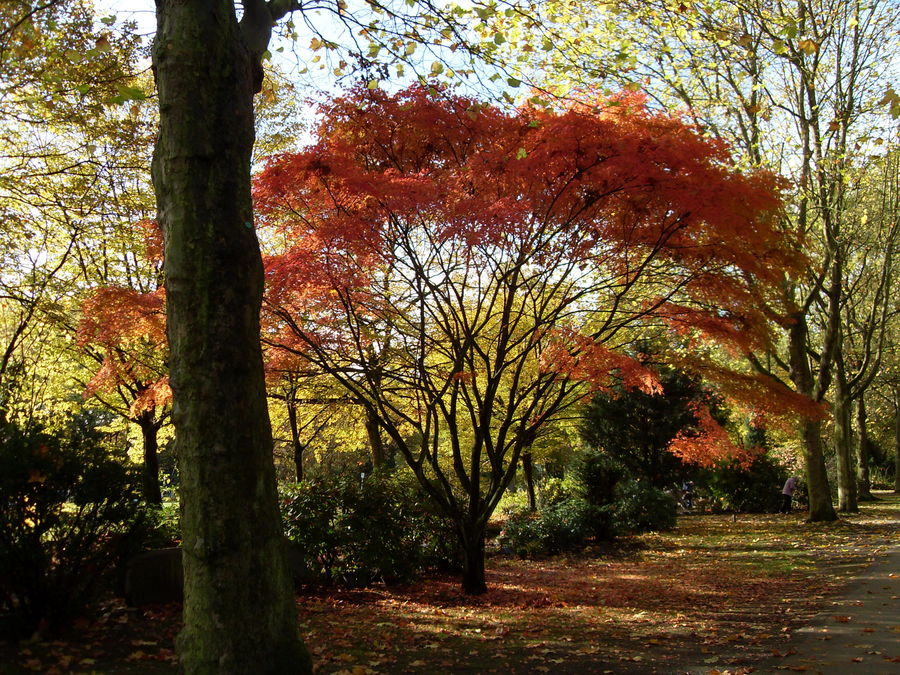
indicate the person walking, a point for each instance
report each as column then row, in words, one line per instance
column 787, row 493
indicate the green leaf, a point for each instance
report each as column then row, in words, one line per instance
column 513, row 82
column 521, row 153
column 372, row 84
column 126, row 93
column 779, row 47
column 437, row 68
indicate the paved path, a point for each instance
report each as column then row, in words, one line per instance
column 857, row 633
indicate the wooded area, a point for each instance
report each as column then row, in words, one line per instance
column 529, row 277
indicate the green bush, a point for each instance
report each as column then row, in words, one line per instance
column 754, row 489
column 564, row 526
column 598, row 474
column 70, row 515
column 641, row 507
column 355, row 533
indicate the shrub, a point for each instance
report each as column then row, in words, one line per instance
column 70, row 514
column 598, row 474
column 755, row 489
column 641, row 507
column 355, row 533
column 563, row 526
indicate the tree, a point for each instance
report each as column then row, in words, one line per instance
column 239, row 613
column 124, row 331
column 794, row 86
column 493, row 261
column 646, row 432
column 62, row 76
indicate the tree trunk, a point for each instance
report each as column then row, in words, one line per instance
column 843, row 439
column 150, row 470
column 863, row 481
column 376, row 443
column 473, row 582
column 296, row 445
column 239, row 610
column 897, row 440
column 528, row 471
column 820, row 507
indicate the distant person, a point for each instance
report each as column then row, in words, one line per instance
column 787, row 493
column 687, row 494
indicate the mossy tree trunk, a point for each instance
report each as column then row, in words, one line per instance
column 239, row 612
column 820, row 507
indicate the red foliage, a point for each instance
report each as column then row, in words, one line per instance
column 644, row 217
column 129, row 328
column 707, row 443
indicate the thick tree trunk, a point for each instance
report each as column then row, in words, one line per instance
column 239, row 611
column 863, row 480
column 528, row 471
column 150, row 471
column 473, row 581
column 820, row 507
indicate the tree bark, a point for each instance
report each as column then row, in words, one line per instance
column 473, row 581
column 296, row 445
column 820, row 507
column 843, row 440
column 528, row 471
column 376, row 442
column 239, row 610
column 897, row 440
column 150, row 470
column 863, row 480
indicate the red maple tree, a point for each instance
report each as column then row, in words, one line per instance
column 123, row 330
column 468, row 274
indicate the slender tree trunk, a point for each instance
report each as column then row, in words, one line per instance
column 820, row 507
column 239, row 610
column 897, row 440
column 843, row 440
column 863, row 480
column 296, row 445
column 376, row 442
column 150, row 470
column 528, row 472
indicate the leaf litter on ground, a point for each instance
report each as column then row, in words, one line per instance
column 723, row 592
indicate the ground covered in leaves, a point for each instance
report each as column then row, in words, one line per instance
column 716, row 593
